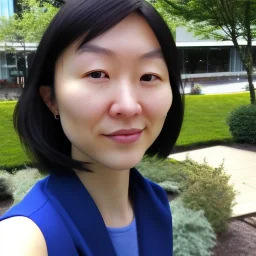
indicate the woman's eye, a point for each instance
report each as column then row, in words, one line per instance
column 149, row 78
column 98, row 74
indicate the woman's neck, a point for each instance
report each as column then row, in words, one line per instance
column 110, row 191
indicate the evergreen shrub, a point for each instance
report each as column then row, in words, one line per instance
column 6, row 188
column 192, row 232
column 242, row 124
column 162, row 170
column 170, row 186
column 208, row 189
column 28, row 177
column 196, row 89
column 200, row 186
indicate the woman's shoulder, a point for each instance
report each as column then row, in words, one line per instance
column 46, row 218
column 19, row 233
column 21, row 236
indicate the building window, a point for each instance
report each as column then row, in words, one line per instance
column 205, row 60
column 10, row 59
column 195, row 61
column 218, row 59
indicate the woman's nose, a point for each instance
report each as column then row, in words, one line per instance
column 126, row 102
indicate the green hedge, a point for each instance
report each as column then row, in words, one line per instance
column 242, row 124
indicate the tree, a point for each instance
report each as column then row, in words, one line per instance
column 172, row 21
column 56, row 3
column 27, row 26
column 222, row 20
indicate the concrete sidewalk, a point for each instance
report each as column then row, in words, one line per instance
column 232, row 87
column 240, row 164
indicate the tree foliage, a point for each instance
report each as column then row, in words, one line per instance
column 28, row 26
column 55, row 3
column 163, row 8
column 223, row 20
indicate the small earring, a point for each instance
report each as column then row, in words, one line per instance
column 57, row 117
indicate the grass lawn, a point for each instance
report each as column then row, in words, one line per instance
column 11, row 153
column 205, row 118
column 205, row 123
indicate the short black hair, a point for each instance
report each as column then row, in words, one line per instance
column 40, row 134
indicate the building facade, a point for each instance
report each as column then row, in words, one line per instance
column 208, row 58
column 6, row 8
column 12, row 62
column 199, row 58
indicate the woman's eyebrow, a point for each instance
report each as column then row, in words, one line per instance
column 156, row 53
column 94, row 49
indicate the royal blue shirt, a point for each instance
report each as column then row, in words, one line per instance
column 72, row 225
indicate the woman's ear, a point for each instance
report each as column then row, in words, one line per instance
column 46, row 93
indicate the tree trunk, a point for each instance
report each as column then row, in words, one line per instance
column 25, row 61
column 251, row 86
column 248, row 50
column 247, row 60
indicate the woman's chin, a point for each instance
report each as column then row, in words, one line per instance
column 124, row 164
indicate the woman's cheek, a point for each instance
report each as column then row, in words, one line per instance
column 160, row 101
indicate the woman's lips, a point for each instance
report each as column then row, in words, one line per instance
column 125, row 137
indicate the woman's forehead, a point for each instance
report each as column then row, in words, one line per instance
column 132, row 34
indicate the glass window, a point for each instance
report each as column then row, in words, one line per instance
column 204, row 59
column 195, row 61
column 10, row 59
column 218, row 59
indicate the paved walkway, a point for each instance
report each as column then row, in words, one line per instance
column 220, row 87
column 240, row 164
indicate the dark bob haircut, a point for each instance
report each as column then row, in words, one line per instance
column 40, row 134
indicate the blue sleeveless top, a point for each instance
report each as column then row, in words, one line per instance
column 72, row 225
column 125, row 239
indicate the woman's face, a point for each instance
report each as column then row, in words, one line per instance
column 113, row 95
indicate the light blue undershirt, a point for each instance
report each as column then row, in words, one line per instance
column 125, row 239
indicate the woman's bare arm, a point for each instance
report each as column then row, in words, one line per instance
column 21, row 236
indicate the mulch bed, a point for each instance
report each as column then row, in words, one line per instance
column 239, row 240
column 248, row 147
column 5, row 205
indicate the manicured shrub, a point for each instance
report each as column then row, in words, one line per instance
column 196, row 89
column 28, row 177
column 242, row 124
column 200, row 186
column 159, row 170
column 208, row 189
column 192, row 232
column 247, row 88
column 170, row 186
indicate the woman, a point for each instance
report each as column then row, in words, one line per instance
column 103, row 91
